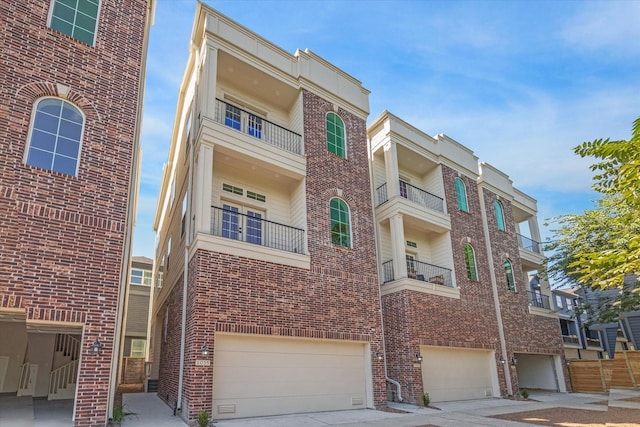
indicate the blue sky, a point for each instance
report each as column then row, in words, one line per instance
column 518, row 82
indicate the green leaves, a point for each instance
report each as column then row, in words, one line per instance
column 600, row 247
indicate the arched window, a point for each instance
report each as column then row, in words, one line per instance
column 508, row 271
column 470, row 261
column 76, row 18
column 499, row 214
column 55, row 136
column 340, row 223
column 461, row 195
column 335, row 135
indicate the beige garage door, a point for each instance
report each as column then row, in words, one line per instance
column 457, row 374
column 257, row 376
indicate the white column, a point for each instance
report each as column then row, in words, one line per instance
column 534, row 230
column 202, row 189
column 208, row 62
column 391, row 169
column 396, row 225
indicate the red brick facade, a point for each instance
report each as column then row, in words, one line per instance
column 336, row 299
column 63, row 237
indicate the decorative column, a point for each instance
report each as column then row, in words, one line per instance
column 391, row 169
column 396, row 225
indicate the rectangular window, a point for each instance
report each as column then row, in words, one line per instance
column 146, row 277
column 76, row 18
column 255, row 126
column 184, row 215
column 137, row 348
column 233, row 190
column 136, row 276
column 254, row 228
column 230, row 222
column 232, row 117
column 256, row 196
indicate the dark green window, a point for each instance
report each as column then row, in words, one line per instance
column 76, row 18
column 461, row 195
column 340, row 224
column 335, row 135
column 470, row 261
column 508, row 270
column 499, row 214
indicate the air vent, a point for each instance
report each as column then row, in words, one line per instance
column 226, row 409
column 357, row 400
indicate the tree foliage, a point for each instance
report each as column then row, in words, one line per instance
column 600, row 247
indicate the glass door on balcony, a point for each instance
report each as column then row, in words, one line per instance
column 403, row 188
column 411, row 265
column 242, row 223
column 232, row 116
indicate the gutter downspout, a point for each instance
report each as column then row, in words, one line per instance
column 131, row 211
column 375, row 235
column 187, row 246
column 494, row 288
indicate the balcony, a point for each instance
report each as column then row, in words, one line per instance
column 257, row 127
column 536, row 299
column 414, row 194
column 420, row 271
column 251, row 228
column 593, row 342
column 570, row 339
column 529, row 244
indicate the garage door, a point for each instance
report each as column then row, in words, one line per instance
column 258, row 376
column 457, row 374
column 536, row 371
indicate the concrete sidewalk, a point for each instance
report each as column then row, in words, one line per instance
column 151, row 411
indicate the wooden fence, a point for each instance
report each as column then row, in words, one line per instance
column 598, row 376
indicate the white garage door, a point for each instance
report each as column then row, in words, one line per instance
column 257, row 376
column 457, row 373
column 536, row 371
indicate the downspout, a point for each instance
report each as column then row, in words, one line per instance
column 375, row 235
column 131, row 208
column 187, row 246
column 494, row 288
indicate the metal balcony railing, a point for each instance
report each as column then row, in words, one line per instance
column 593, row 342
column 536, row 299
column 529, row 244
column 257, row 127
column 570, row 339
column 413, row 193
column 253, row 229
column 420, row 271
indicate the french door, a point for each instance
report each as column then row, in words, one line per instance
column 242, row 223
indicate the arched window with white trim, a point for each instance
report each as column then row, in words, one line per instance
column 508, row 271
column 497, row 206
column 55, row 136
column 470, row 262
column 340, row 223
column 335, row 135
column 461, row 195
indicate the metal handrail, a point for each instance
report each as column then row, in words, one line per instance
column 421, row 197
column 536, row 299
column 238, row 226
column 235, row 117
column 529, row 244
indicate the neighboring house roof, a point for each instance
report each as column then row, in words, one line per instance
column 142, row 260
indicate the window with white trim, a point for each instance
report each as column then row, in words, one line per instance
column 140, row 277
column 55, row 136
column 75, row 18
column 461, row 195
column 137, row 348
column 508, row 271
column 335, row 135
column 470, row 262
column 340, row 223
column 499, row 214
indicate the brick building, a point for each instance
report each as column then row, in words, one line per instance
column 72, row 74
column 267, row 298
column 465, row 315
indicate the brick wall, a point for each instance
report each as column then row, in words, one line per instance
column 63, row 236
column 524, row 332
column 336, row 299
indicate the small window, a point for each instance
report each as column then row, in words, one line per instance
column 184, row 216
column 340, row 223
column 499, row 214
column 146, row 277
column 136, row 276
column 335, row 135
column 56, row 135
column 461, row 195
column 233, row 190
column 137, row 348
column 508, row 271
column 76, row 18
column 256, row 196
column 470, row 261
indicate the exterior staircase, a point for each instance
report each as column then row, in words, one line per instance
column 62, row 379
